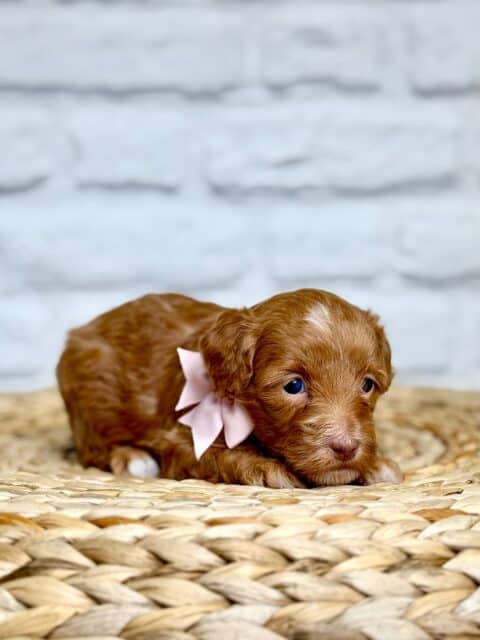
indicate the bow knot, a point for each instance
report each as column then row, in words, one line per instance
column 211, row 414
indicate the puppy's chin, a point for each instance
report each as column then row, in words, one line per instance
column 336, row 476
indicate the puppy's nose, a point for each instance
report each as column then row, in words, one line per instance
column 344, row 448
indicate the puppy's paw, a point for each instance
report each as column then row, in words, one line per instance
column 386, row 470
column 133, row 462
column 274, row 475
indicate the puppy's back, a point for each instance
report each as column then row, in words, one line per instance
column 113, row 367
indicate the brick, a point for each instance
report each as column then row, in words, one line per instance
column 35, row 331
column 29, row 146
column 445, row 49
column 90, row 47
column 365, row 153
column 466, row 350
column 323, row 46
column 471, row 150
column 129, row 147
column 114, row 241
column 255, row 287
column 418, row 325
column 24, row 323
column 308, row 245
column 441, row 243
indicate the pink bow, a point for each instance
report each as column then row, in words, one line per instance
column 211, row 414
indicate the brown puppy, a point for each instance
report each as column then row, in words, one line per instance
column 307, row 366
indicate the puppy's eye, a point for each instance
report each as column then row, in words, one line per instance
column 295, row 386
column 368, row 385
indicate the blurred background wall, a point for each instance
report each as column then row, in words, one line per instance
column 230, row 150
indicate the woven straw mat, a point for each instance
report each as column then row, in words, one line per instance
column 86, row 555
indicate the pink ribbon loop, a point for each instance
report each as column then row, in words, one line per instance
column 210, row 414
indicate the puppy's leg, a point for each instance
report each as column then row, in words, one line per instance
column 134, row 462
column 385, row 470
column 247, row 466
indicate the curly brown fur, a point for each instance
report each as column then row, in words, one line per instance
column 120, row 378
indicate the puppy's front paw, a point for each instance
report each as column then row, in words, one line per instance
column 386, row 470
column 133, row 462
column 274, row 475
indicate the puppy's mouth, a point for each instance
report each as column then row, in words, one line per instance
column 330, row 471
column 337, row 476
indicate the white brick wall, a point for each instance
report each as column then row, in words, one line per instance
column 233, row 149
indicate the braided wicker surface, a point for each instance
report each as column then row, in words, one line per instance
column 87, row 555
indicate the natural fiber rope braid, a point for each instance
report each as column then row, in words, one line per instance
column 87, row 555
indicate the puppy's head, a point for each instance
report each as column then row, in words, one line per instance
column 309, row 367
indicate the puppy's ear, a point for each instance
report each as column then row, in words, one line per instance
column 384, row 352
column 228, row 348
